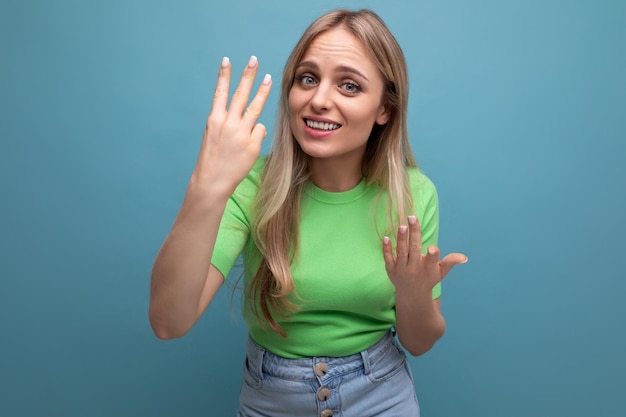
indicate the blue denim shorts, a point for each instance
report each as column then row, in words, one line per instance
column 376, row 382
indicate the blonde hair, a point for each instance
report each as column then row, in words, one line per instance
column 387, row 155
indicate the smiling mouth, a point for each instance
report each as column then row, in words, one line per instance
column 321, row 125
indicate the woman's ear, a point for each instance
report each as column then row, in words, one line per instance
column 383, row 115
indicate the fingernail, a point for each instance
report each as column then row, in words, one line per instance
column 225, row 62
column 465, row 261
column 252, row 62
column 403, row 229
column 267, row 79
column 412, row 220
column 386, row 240
column 431, row 251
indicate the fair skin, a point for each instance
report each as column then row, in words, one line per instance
column 334, row 103
column 338, row 91
column 183, row 280
column 419, row 321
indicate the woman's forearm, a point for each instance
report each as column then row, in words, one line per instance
column 230, row 146
column 181, row 267
column 182, row 264
column 419, row 321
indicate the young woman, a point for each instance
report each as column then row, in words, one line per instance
column 337, row 228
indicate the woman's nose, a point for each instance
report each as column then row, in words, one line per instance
column 322, row 98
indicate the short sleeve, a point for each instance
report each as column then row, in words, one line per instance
column 234, row 229
column 426, row 204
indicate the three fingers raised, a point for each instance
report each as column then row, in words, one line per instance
column 241, row 96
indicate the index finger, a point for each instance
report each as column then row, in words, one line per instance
column 220, row 97
column 258, row 102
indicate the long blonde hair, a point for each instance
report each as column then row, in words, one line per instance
column 387, row 155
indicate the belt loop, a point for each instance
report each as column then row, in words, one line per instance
column 260, row 356
column 366, row 362
column 255, row 355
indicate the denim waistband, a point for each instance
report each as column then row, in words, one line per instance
column 266, row 362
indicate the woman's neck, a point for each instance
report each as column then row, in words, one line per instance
column 334, row 176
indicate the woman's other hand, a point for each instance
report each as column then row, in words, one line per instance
column 409, row 268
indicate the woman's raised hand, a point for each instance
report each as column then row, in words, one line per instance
column 232, row 138
column 183, row 280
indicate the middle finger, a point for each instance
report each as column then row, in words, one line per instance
column 415, row 237
column 242, row 93
column 402, row 252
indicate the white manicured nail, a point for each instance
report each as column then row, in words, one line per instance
column 252, row 62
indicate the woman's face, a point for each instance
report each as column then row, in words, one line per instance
column 336, row 98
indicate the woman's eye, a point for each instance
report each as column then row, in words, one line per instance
column 306, row 80
column 351, row 87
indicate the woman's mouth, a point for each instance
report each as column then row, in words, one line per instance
column 323, row 126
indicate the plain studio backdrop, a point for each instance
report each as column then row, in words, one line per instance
column 517, row 113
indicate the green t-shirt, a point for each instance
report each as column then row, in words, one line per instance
column 345, row 299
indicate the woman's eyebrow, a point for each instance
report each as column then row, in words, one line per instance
column 341, row 68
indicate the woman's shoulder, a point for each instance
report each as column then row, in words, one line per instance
column 248, row 187
column 424, row 192
column 258, row 167
column 253, row 179
column 420, row 181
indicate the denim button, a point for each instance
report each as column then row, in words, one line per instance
column 321, row 369
column 323, row 394
column 327, row 413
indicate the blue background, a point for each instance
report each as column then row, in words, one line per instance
column 518, row 114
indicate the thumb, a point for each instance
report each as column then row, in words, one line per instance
column 450, row 261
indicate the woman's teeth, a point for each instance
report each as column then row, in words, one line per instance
column 322, row 125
